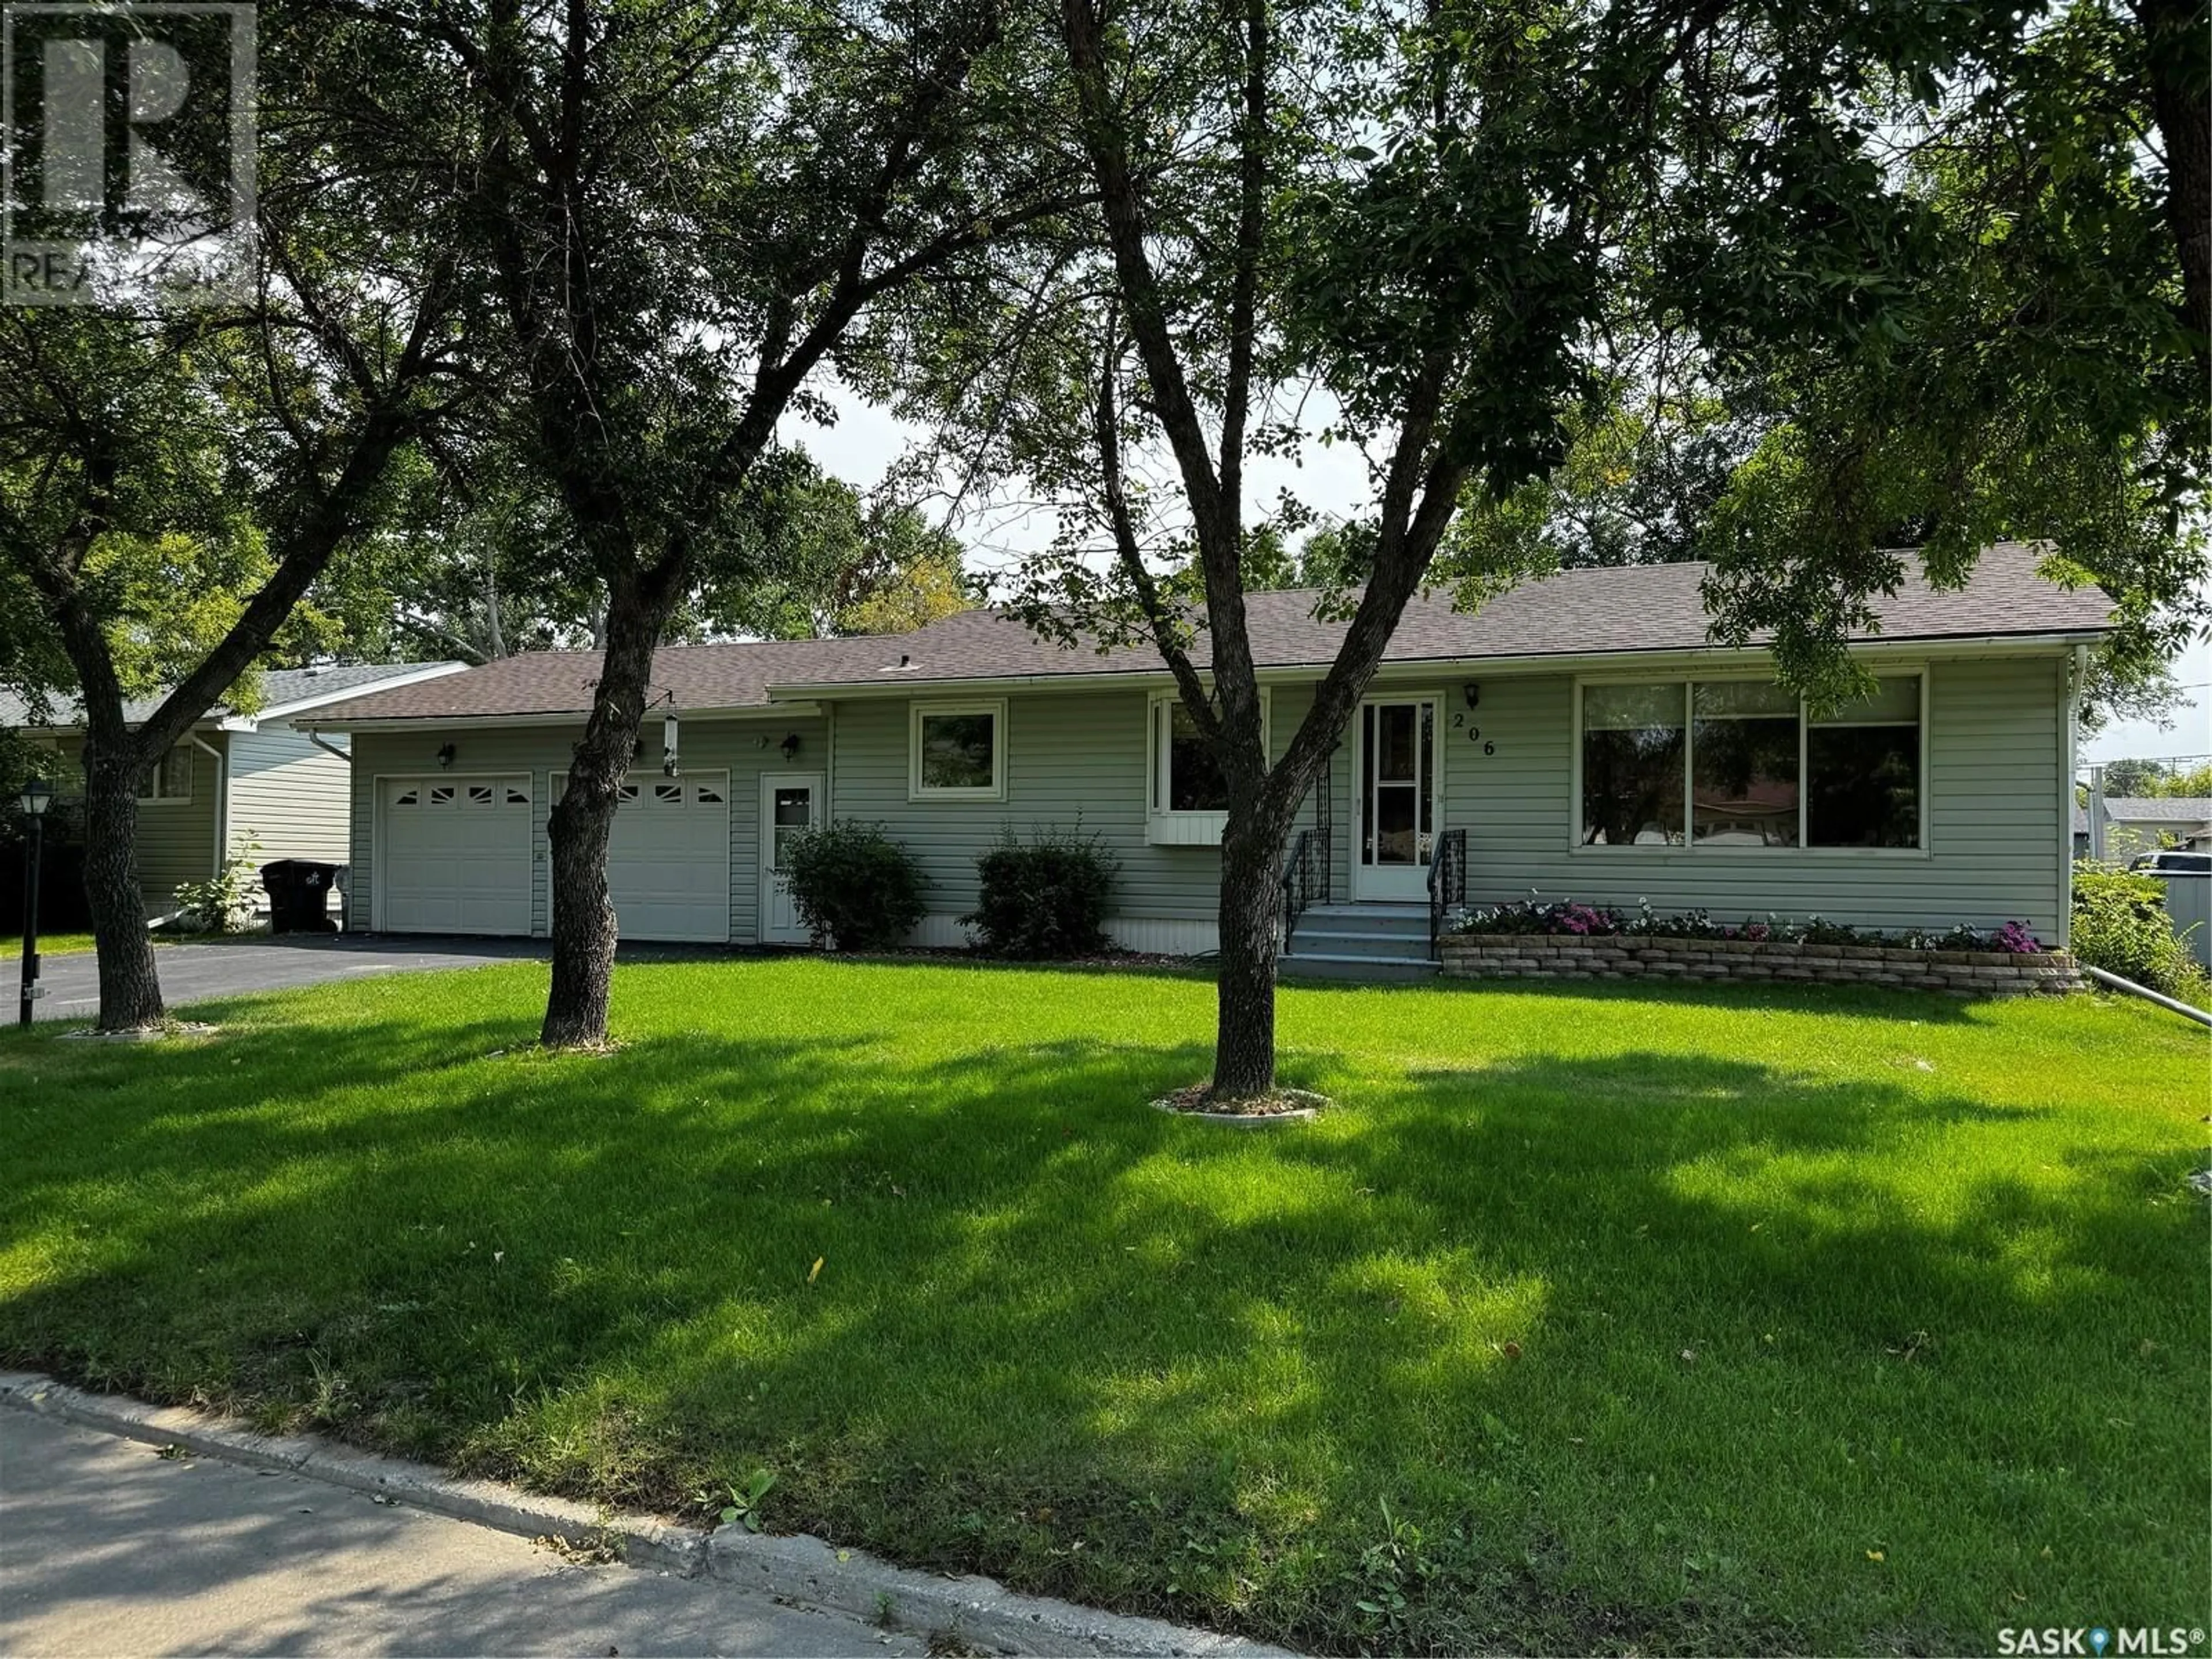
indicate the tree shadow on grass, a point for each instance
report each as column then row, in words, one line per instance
column 1625, row 1337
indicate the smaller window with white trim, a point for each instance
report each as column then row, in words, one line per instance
column 959, row 751
column 172, row 777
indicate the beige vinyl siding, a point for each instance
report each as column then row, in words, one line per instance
column 1992, row 828
column 745, row 749
column 289, row 799
column 176, row 838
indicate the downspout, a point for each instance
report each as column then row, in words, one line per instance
column 221, row 801
column 346, row 755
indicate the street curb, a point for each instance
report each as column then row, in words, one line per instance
column 981, row 1612
column 800, row 1568
column 645, row 1541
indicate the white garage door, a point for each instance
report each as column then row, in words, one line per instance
column 456, row 855
column 668, row 865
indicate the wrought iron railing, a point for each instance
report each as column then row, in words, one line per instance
column 1446, row 880
column 1303, row 877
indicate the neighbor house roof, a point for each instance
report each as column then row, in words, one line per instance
column 2185, row 811
column 283, row 692
column 1578, row 613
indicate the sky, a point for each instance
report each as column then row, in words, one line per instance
column 868, row 437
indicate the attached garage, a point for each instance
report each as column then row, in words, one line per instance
column 455, row 854
column 668, row 864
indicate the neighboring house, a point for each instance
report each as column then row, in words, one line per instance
column 239, row 784
column 1579, row 733
column 2144, row 823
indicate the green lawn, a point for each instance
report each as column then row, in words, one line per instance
column 1602, row 1319
column 52, row 944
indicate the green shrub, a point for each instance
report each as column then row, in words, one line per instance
column 224, row 902
column 1049, row 896
column 2121, row 925
column 854, row 886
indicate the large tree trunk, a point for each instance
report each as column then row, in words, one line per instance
column 2173, row 40
column 130, row 989
column 581, row 821
column 1251, row 897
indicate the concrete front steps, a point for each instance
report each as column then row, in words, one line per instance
column 1371, row 942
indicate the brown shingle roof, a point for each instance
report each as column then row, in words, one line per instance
column 1637, row 607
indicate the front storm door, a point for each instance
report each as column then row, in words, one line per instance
column 1397, row 757
column 789, row 803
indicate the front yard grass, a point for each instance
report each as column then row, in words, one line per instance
column 1591, row 1320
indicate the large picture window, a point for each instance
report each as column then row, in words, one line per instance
column 959, row 751
column 1632, row 765
column 1863, row 763
column 1741, row 763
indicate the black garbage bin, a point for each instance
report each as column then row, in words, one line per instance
column 299, row 896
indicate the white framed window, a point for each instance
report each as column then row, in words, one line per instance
column 171, row 779
column 1186, row 797
column 956, row 750
column 1737, row 762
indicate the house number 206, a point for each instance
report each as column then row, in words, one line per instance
column 1473, row 733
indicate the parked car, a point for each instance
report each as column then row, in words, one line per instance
column 2172, row 864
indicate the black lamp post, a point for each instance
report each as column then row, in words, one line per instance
column 37, row 796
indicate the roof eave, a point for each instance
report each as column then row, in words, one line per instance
column 890, row 685
column 569, row 717
column 343, row 693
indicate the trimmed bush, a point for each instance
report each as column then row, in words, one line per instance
column 1049, row 896
column 2122, row 926
column 854, row 886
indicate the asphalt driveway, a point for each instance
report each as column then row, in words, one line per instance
column 199, row 973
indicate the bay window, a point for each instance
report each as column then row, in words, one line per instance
column 1736, row 762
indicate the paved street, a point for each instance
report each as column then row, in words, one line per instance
column 108, row 1548
column 195, row 973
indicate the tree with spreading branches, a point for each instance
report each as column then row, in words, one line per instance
column 689, row 214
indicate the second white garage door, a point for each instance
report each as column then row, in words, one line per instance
column 668, row 866
column 456, row 855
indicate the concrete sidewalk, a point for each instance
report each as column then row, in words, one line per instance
column 108, row 1547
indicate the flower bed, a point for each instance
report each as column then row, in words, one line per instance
column 1526, row 940
column 1627, row 955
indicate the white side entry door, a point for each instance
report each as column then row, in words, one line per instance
column 789, row 802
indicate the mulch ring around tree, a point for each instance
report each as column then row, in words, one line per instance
column 167, row 1028
column 1250, row 1112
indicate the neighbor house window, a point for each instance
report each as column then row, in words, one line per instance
column 959, row 751
column 171, row 778
column 1741, row 763
column 1862, row 770
column 1632, row 744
